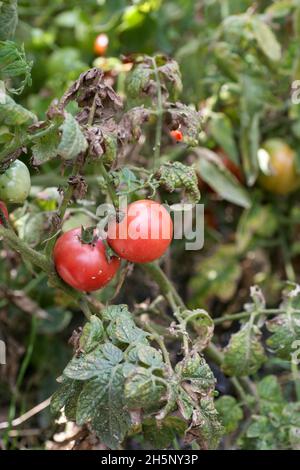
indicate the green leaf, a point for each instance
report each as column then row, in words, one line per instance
column 244, row 354
column 68, row 391
column 112, row 312
column 176, row 175
column 222, row 131
column 13, row 63
column 142, row 388
column 124, row 330
column 249, row 143
column 270, row 395
column 285, row 329
column 85, row 366
column 102, row 397
column 185, row 404
column 260, row 426
column 230, row 413
column 266, row 39
column 195, row 370
column 137, row 81
column 150, row 356
column 92, row 334
column 102, row 401
column 280, row 9
column 206, row 429
column 31, row 227
column 113, row 354
column 161, row 435
column 72, row 141
column 202, row 324
column 45, row 148
column 216, row 175
column 8, row 19
column 291, row 414
column 13, row 114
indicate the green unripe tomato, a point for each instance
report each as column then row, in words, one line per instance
column 15, row 183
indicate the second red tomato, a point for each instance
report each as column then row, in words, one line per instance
column 144, row 233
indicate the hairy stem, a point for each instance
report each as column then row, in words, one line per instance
column 111, row 190
column 242, row 315
column 159, row 114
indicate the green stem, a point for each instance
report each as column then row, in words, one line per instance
column 159, row 113
column 39, row 260
column 61, row 212
column 242, row 315
column 296, row 378
column 17, row 143
column 165, row 285
column 85, row 308
column 111, row 190
column 16, row 244
column 160, row 341
column 237, row 385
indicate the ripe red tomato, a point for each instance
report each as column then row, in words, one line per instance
column 101, row 44
column 177, row 135
column 83, row 266
column 144, row 233
column 4, row 210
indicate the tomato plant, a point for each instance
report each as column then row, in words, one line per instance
column 195, row 342
column 143, row 234
column 82, row 265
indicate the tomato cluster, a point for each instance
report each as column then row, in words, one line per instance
column 142, row 235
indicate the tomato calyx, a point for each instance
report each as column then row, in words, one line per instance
column 88, row 236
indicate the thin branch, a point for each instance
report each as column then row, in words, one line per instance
column 26, row 416
column 159, row 113
column 242, row 315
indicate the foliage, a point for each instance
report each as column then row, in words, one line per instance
column 150, row 367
